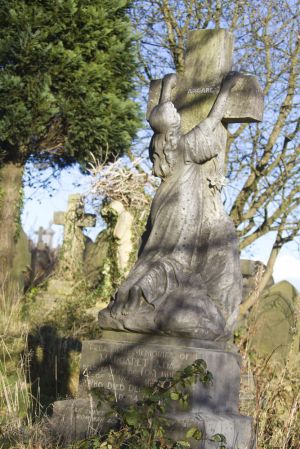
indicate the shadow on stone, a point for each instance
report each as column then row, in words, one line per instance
column 53, row 367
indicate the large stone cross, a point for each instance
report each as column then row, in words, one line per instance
column 74, row 220
column 208, row 59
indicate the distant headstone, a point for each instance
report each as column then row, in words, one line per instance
column 43, row 256
column 122, row 233
column 40, row 241
column 74, row 220
column 252, row 270
column 48, row 239
column 95, row 256
column 273, row 322
column 115, row 242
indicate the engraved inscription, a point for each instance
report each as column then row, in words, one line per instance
column 125, row 368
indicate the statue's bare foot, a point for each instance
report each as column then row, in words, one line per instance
column 118, row 304
column 134, row 300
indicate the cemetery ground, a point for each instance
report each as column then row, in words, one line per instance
column 40, row 353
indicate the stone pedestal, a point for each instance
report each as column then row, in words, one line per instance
column 126, row 362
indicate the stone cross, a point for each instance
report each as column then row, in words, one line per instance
column 40, row 233
column 49, row 236
column 208, row 59
column 73, row 220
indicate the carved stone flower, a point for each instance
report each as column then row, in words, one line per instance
column 217, row 182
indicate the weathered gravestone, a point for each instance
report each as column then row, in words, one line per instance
column 273, row 322
column 181, row 299
column 252, row 271
column 43, row 256
column 70, row 265
column 73, row 220
column 113, row 246
column 272, row 328
column 123, row 235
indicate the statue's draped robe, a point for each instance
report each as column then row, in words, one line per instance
column 189, row 252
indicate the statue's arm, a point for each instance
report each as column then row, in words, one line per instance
column 168, row 84
column 217, row 112
column 200, row 143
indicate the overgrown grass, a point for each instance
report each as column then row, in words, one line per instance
column 276, row 405
column 23, row 422
column 17, row 405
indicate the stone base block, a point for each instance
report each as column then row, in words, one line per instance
column 77, row 419
column 126, row 362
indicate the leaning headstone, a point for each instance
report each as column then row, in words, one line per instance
column 273, row 322
column 95, row 255
column 180, row 301
column 70, row 264
column 252, row 271
column 74, row 220
column 113, row 246
column 123, row 235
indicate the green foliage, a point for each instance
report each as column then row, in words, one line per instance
column 18, row 221
column 111, row 277
column 144, row 425
column 71, row 318
column 66, row 79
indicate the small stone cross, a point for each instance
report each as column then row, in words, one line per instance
column 40, row 233
column 73, row 220
column 49, row 237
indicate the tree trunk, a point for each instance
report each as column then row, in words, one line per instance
column 10, row 203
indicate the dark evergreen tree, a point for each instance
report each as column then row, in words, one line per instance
column 66, row 79
column 66, row 87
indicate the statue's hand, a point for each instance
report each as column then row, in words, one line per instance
column 170, row 80
column 231, row 79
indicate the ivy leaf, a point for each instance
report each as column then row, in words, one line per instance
column 199, row 363
column 191, row 432
column 174, row 396
column 218, row 438
column 132, row 418
column 182, row 444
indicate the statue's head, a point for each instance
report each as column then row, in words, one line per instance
column 165, row 122
column 164, row 117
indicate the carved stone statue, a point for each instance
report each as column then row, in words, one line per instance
column 187, row 278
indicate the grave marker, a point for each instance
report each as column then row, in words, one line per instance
column 73, row 220
column 180, row 301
